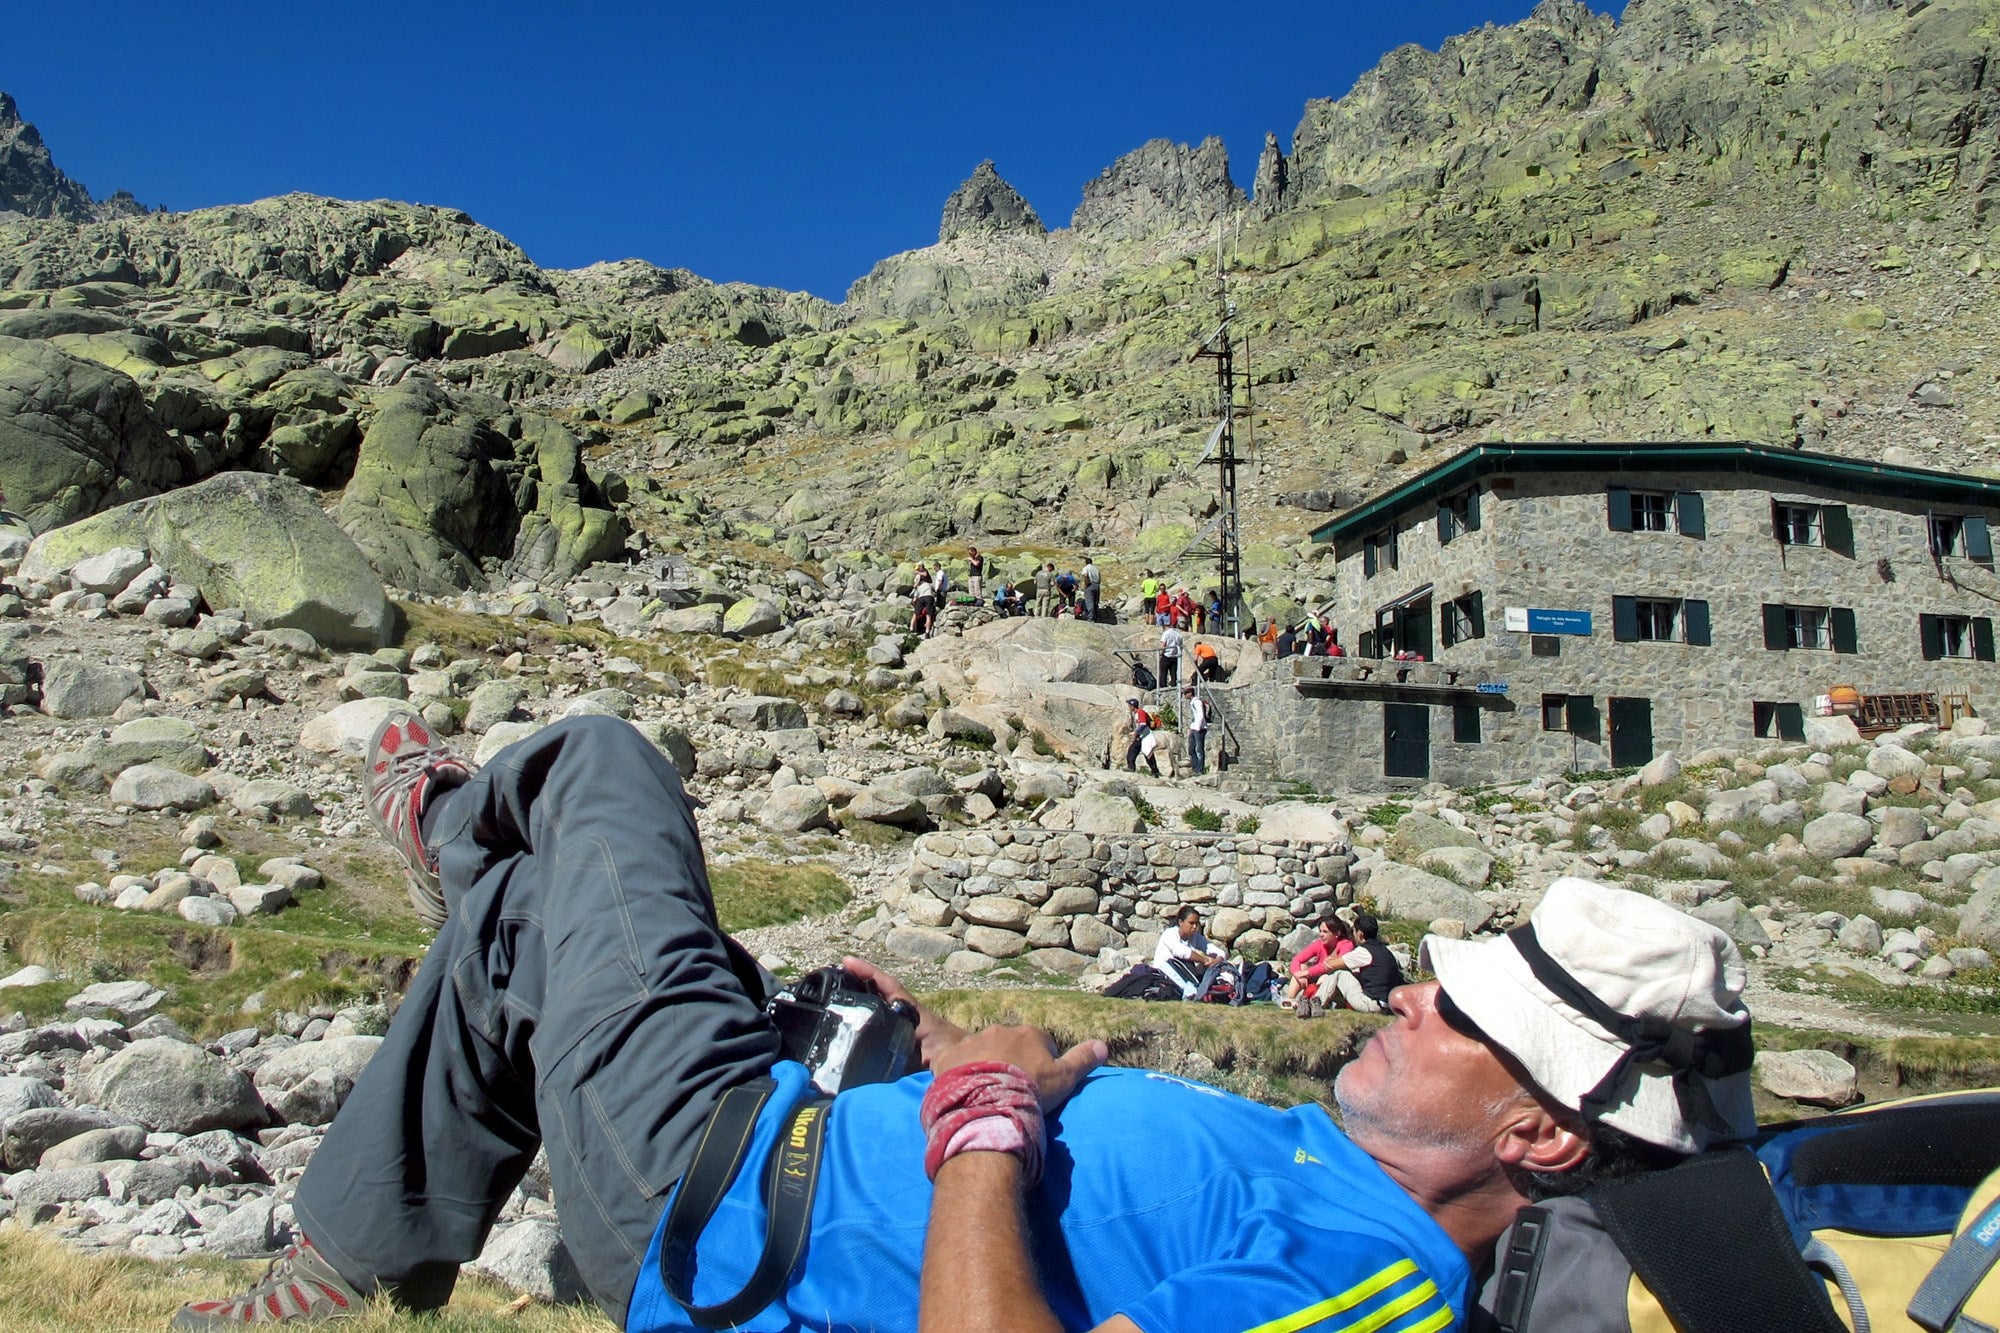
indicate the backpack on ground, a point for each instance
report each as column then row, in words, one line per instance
column 1260, row 984
column 1144, row 982
column 1221, row 984
column 1143, row 678
column 1882, row 1218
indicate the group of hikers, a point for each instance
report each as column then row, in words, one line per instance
column 1346, row 966
column 1146, row 730
column 1310, row 637
column 1048, row 593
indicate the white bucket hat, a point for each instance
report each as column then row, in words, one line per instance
column 1618, row 1006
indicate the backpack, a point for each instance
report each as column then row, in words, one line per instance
column 1143, row 678
column 1260, row 984
column 1144, row 982
column 1882, row 1218
column 1221, row 984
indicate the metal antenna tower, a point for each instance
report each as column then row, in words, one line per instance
column 1221, row 347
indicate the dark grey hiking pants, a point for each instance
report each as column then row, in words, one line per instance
column 579, row 995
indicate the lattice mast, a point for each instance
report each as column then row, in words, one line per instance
column 1223, row 347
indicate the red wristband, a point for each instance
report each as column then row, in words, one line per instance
column 988, row 1106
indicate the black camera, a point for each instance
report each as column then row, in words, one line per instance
column 846, row 1034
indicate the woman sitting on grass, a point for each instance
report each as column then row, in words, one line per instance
column 1313, row 962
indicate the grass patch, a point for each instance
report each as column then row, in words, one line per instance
column 1386, row 814
column 1201, row 819
column 1249, row 824
column 52, row 1289
column 753, row 892
column 1907, row 1064
column 350, row 942
column 1147, row 811
column 1259, row 1038
column 467, row 634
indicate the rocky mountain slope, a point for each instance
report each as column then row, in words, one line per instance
column 1710, row 218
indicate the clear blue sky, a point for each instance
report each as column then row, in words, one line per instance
column 762, row 140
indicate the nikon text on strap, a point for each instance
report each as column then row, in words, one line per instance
column 791, row 1179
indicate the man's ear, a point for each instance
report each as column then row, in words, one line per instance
column 1536, row 1140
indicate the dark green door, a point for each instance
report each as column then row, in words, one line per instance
column 1631, row 732
column 1406, row 741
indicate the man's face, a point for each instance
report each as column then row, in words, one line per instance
column 1419, row 1082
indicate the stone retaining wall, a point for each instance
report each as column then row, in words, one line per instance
column 1061, row 900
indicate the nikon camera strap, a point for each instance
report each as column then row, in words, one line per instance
column 791, row 1178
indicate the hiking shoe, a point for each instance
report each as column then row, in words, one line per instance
column 299, row 1287
column 1305, row 1007
column 406, row 768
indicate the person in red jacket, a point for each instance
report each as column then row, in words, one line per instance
column 1316, row 959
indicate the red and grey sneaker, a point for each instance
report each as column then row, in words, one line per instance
column 406, row 767
column 299, row 1287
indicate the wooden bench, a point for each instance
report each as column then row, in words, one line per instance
column 1886, row 712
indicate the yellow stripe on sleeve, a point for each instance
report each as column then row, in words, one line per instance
column 1439, row 1319
column 1359, row 1294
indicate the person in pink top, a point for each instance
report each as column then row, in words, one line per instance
column 1313, row 962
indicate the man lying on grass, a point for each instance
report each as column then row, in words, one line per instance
column 580, row 997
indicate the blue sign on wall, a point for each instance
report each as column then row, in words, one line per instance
column 1558, row 622
column 1491, row 687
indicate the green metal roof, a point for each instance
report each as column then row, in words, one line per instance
column 1483, row 460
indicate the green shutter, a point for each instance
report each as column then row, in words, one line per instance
column 1982, row 638
column 1624, row 619
column 1931, row 634
column 1838, row 529
column 1447, row 523
column 1472, row 510
column 1477, row 607
column 1583, row 718
column 1445, row 637
column 1774, row 627
column 1368, row 559
column 1465, row 723
column 1692, row 515
column 1791, row 719
column 1845, row 640
column 1618, row 505
column 1978, row 541
column 1694, row 622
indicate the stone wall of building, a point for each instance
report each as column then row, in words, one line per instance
column 1544, row 542
column 1066, row 901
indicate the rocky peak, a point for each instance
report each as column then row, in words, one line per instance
column 31, row 186
column 986, row 203
column 1273, row 178
column 1156, row 188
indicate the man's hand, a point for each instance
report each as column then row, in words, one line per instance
column 1033, row 1052
column 935, row 1035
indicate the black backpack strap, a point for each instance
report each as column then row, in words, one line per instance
column 1707, row 1235
column 1519, row 1269
column 791, row 1181
column 1966, row 1262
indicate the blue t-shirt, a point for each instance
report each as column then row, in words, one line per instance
column 1184, row 1208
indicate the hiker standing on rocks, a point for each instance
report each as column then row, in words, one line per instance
column 923, row 600
column 1093, row 588
column 975, row 573
column 1045, row 589
column 1170, row 656
column 580, row 998
column 1194, row 719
